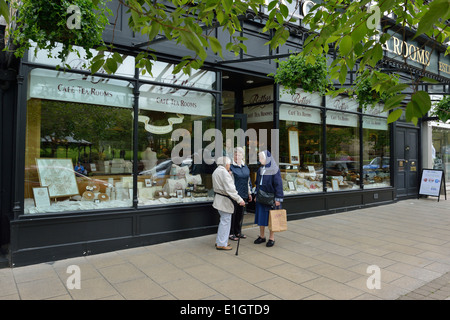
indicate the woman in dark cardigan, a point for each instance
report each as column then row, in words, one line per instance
column 268, row 178
column 243, row 185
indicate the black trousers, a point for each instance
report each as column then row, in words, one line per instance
column 236, row 219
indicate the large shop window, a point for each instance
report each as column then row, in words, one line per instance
column 301, row 142
column 376, row 150
column 174, row 153
column 79, row 143
column 343, row 150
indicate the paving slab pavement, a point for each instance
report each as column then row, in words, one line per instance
column 389, row 252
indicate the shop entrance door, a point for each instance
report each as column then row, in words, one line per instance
column 407, row 166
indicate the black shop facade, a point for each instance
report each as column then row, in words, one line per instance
column 88, row 166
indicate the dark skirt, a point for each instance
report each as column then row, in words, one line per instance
column 261, row 214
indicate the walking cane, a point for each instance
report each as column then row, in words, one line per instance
column 240, row 228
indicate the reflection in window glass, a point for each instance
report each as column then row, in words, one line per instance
column 78, row 144
column 376, row 155
column 441, row 151
column 342, row 151
column 165, row 173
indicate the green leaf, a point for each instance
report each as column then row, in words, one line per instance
column 117, row 57
column 272, row 5
column 429, row 80
column 227, row 5
column 377, row 55
column 437, row 9
column 343, row 74
column 192, row 42
column 412, row 112
column 358, row 49
column 397, row 88
column 4, row 10
column 110, row 65
column 154, row 30
column 334, row 72
column 386, row 5
column 393, row 102
column 359, row 33
column 284, row 10
column 394, row 115
column 423, row 101
column 215, row 45
column 332, row 39
column 345, row 45
column 96, row 66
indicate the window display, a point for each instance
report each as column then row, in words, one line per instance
column 165, row 173
column 376, row 153
column 342, row 152
column 78, row 142
column 80, row 152
column 301, row 149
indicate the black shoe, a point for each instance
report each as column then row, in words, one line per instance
column 259, row 240
column 270, row 243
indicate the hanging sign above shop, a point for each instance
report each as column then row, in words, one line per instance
column 375, row 123
column 258, row 95
column 301, row 97
column 193, row 102
column 80, row 91
column 342, row 119
column 376, row 110
column 300, row 114
column 258, row 114
column 342, row 103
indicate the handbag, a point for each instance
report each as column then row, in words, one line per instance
column 265, row 198
column 277, row 220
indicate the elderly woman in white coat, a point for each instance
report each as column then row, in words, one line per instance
column 225, row 193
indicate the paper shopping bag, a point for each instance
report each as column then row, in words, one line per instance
column 277, row 220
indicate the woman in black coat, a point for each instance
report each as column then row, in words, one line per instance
column 268, row 179
column 243, row 185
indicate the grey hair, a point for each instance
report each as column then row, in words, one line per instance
column 239, row 150
column 223, row 161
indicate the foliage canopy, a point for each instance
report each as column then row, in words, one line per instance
column 351, row 29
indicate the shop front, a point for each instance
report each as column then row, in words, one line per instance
column 106, row 162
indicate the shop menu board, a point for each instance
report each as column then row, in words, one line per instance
column 431, row 183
